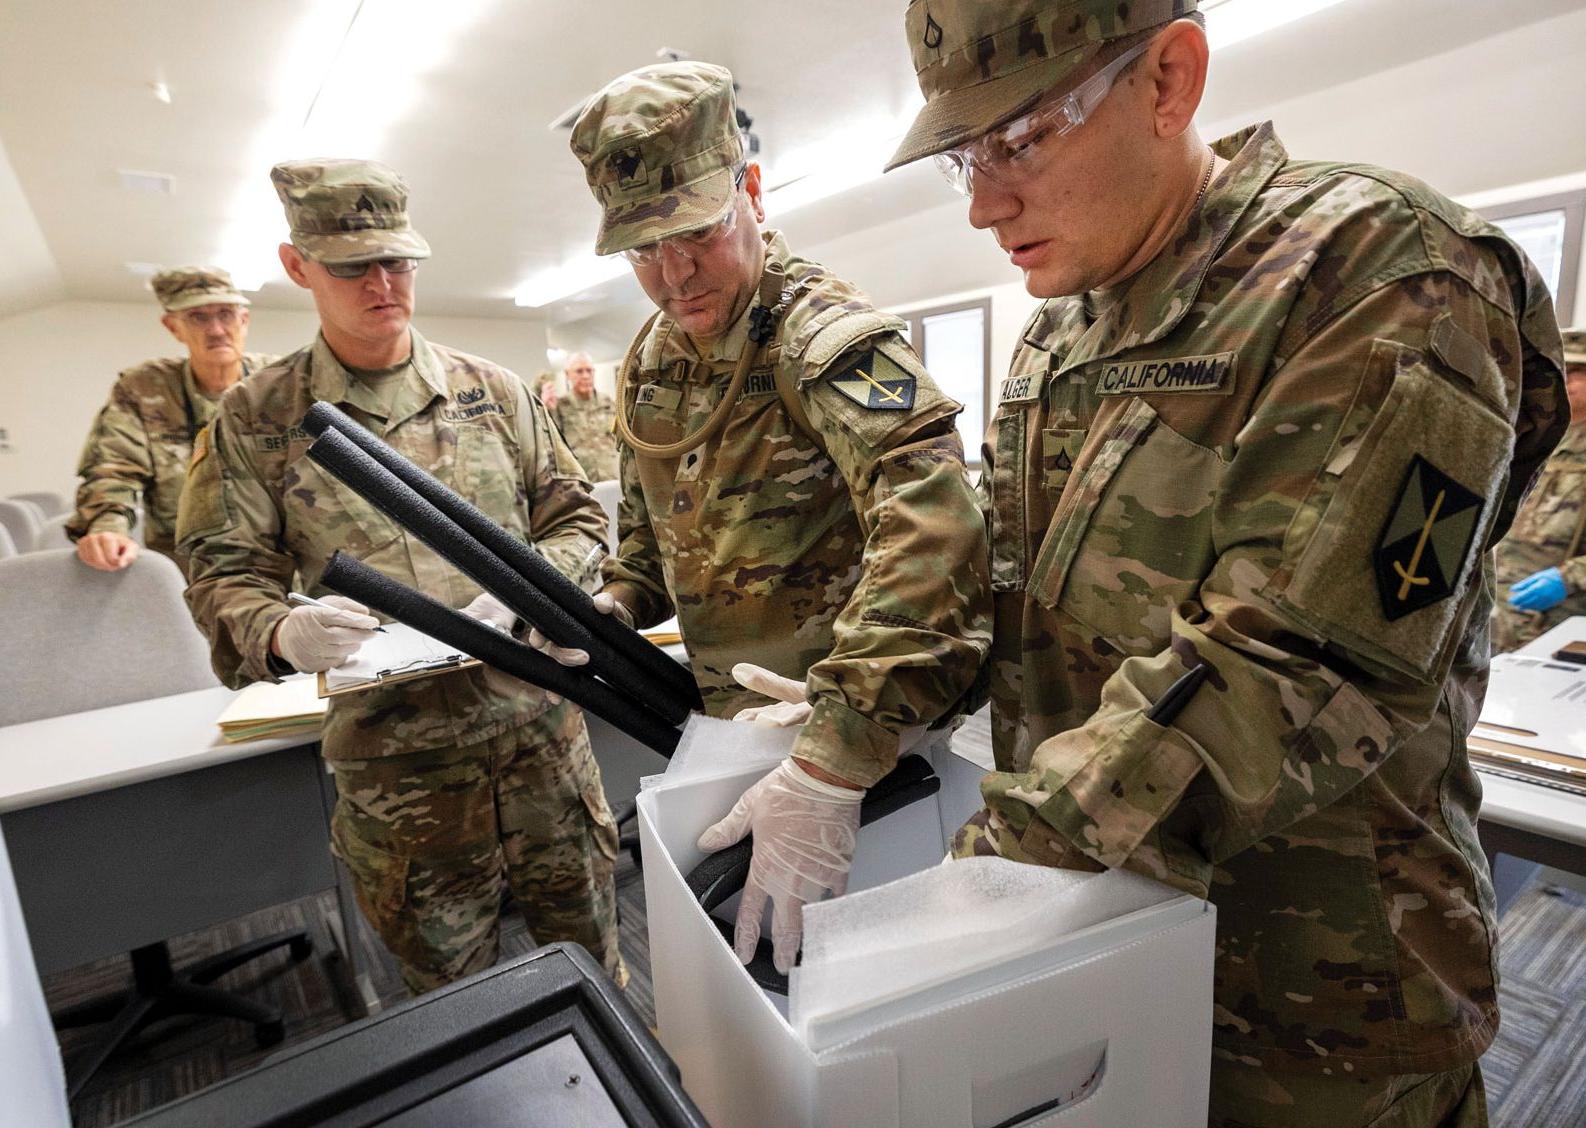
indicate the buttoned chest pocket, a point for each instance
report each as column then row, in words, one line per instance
column 486, row 470
column 320, row 515
column 1131, row 537
column 171, row 452
column 1014, row 441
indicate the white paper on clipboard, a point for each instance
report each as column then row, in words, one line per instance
column 399, row 653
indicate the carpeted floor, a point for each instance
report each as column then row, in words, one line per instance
column 1536, row 1071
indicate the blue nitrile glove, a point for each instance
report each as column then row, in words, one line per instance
column 1539, row 591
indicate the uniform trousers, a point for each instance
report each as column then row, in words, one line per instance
column 1245, row 1096
column 433, row 838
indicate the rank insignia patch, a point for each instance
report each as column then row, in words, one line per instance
column 1424, row 545
column 875, row 382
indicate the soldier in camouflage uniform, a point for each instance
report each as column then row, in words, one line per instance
column 1270, row 421
column 837, row 561
column 1541, row 567
column 585, row 417
column 450, row 785
column 143, row 436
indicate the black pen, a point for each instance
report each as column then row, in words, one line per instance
column 310, row 601
column 1178, row 695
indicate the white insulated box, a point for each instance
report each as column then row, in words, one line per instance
column 982, row 994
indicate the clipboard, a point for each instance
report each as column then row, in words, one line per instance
column 399, row 654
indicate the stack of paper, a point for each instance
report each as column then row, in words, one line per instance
column 268, row 709
column 1533, row 722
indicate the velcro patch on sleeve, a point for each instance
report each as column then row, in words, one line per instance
column 876, row 382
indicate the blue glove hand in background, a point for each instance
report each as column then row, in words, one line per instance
column 1539, row 591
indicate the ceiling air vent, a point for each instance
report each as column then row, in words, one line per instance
column 153, row 183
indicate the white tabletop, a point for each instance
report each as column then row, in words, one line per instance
column 81, row 753
column 1532, row 806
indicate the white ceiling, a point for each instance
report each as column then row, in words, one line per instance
column 465, row 104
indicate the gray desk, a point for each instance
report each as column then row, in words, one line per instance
column 1528, row 820
column 136, row 823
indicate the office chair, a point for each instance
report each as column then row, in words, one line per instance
column 50, row 504
column 68, row 631
column 21, row 519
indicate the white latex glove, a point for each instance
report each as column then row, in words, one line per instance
column 804, row 833
column 790, row 708
column 312, row 639
column 492, row 612
column 606, row 604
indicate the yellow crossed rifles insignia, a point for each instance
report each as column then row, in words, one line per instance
column 877, row 383
column 1423, row 548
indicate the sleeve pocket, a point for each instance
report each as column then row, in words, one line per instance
column 1403, row 520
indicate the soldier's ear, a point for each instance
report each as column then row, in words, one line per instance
column 751, row 185
column 169, row 321
column 292, row 262
column 1177, row 62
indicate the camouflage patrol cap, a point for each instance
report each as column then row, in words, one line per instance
column 188, row 287
column 981, row 62
column 1575, row 346
column 343, row 211
column 659, row 147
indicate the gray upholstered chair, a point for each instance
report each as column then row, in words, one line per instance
column 77, row 639
column 50, row 504
column 8, row 547
column 21, row 519
column 52, row 533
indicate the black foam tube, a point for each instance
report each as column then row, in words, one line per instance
column 723, row 873
column 356, row 580
column 339, row 455
column 539, row 571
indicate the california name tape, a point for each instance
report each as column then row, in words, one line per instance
column 1155, row 377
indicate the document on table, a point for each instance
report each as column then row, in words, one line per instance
column 267, row 709
column 398, row 654
column 1533, row 721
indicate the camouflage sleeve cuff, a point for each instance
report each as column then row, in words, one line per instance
column 114, row 522
column 262, row 664
column 1099, row 798
column 1574, row 572
column 646, row 610
column 846, row 743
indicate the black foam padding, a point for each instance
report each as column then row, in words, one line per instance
column 523, row 557
column 356, row 580
column 338, row 454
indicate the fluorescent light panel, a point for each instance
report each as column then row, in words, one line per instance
column 334, row 96
column 1233, row 21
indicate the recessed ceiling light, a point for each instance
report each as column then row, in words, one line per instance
column 161, row 92
column 154, row 183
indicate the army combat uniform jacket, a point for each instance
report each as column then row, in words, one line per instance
column 258, row 511
column 1547, row 533
column 140, row 444
column 586, row 425
column 857, row 558
column 1283, row 449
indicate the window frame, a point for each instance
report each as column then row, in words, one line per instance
column 916, row 321
column 1573, row 205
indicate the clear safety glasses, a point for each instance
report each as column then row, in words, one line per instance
column 359, row 269
column 1010, row 153
column 693, row 244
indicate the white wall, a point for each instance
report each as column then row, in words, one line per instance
column 57, row 364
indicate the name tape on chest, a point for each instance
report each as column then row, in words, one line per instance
column 759, row 384
column 1157, row 377
column 470, row 406
column 1021, row 389
column 876, row 383
column 659, row 396
column 272, row 444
